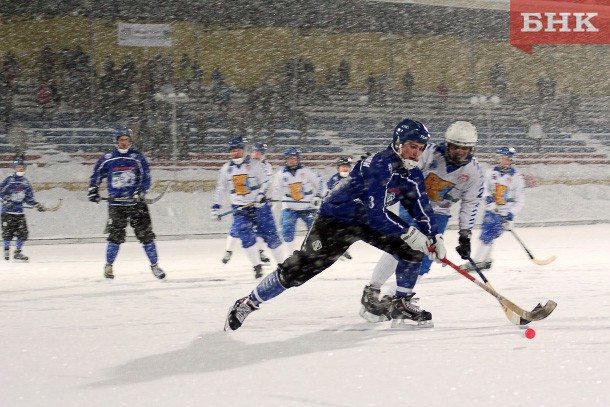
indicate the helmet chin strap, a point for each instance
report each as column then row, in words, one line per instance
column 406, row 163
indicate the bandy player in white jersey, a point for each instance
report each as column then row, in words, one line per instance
column 504, row 199
column 247, row 183
column 300, row 191
column 451, row 174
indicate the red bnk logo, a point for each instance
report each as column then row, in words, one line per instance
column 559, row 22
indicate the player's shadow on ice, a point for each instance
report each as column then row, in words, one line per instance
column 218, row 351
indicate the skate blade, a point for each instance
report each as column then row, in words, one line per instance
column 408, row 324
column 372, row 317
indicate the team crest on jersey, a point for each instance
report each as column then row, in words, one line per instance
column 107, row 156
column 463, row 178
column 316, row 245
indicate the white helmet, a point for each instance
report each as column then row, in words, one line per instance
column 461, row 133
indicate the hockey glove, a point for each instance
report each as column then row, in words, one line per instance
column 93, row 195
column 260, row 200
column 463, row 248
column 316, row 202
column 215, row 214
column 439, row 248
column 416, row 239
column 40, row 207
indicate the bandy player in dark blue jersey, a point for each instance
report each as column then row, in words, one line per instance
column 363, row 207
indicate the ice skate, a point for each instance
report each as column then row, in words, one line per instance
column 373, row 309
column 7, row 254
column 239, row 312
column 227, row 256
column 347, row 256
column 19, row 256
column 157, row 271
column 258, row 271
column 403, row 310
column 264, row 258
column 108, row 271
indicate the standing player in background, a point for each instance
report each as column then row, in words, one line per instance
column 258, row 153
column 247, row 183
column 360, row 209
column 127, row 176
column 15, row 191
column 451, row 174
column 344, row 165
column 504, row 199
column 300, row 191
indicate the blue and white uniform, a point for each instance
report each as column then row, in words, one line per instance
column 297, row 189
column 504, row 197
column 15, row 191
column 125, row 174
column 446, row 184
column 242, row 183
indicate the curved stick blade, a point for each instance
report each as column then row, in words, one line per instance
column 545, row 261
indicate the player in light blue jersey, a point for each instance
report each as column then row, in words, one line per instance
column 360, row 208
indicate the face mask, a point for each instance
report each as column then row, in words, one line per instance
column 20, row 173
column 123, row 150
column 238, row 161
column 343, row 174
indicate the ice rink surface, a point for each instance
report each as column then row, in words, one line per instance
column 71, row 338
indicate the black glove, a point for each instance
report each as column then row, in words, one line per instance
column 464, row 244
column 40, row 207
column 93, row 195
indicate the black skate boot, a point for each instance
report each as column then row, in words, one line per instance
column 238, row 313
column 157, row 271
column 20, row 256
column 264, row 258
column 373, row 309
column 7, row 254
column 258, row 271
column 403, row 309
column 347, row 256
column 108, row 272
column 227, row 257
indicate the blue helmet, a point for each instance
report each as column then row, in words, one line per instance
column 121, row 131
column 410, row 130
column 18, row 161
column 506, row 151
column 237, row 142
column 290, row 151
column 262, row 147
